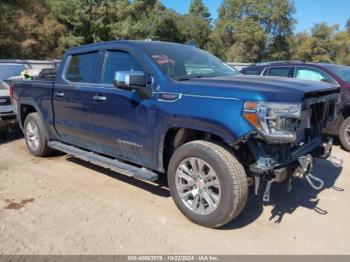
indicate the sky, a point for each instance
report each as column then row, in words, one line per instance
column 309, row 12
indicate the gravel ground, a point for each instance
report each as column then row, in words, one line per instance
column 61, row 205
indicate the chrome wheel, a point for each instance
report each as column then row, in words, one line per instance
column 32, row 135
column 198, row 186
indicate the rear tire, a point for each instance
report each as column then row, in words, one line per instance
column 344, row 134
column 191, row 180
column 36, row 136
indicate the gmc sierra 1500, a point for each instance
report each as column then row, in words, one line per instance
column 147, row 108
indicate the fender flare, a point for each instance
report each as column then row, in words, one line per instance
column 216, row 129
column 31, row 102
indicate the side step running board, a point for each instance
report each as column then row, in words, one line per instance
column 113, row 164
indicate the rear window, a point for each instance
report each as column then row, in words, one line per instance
column 279, row 71
column 341, row 71
column 82, row 68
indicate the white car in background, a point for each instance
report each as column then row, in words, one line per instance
column 7, row 116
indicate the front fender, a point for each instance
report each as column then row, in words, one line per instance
column 219, row 116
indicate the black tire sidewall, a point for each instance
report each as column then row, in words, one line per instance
column 41, row 151
column 226, row 205
column 342, row 137
column 3, row 135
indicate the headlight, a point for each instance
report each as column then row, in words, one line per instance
column 276, row 121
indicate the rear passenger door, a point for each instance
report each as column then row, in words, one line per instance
column 122, row 122
column 72, row 99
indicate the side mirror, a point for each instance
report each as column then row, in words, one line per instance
column 133, row 80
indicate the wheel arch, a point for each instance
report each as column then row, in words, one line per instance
column 178, row 135
column 28, row 106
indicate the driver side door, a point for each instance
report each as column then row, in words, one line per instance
column 122, row 122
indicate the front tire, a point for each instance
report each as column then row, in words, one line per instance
column 207, row 183
column 36, row 136
column 344, row 134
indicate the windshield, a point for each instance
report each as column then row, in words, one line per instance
column 341, row 71
column 182, row 62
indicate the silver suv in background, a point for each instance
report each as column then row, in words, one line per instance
column 7, row 115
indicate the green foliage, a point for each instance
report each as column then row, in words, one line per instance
column 27, row 31
column 245, row 31
column 253, row 30
column 167, row 28
column 197, row 8
column 324, row 44
column 197, row 24
column 7, row 44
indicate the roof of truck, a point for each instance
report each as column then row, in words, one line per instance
column 94, row 46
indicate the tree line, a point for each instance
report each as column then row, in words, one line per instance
column 245, row 30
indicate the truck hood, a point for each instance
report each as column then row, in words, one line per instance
column 275, row 89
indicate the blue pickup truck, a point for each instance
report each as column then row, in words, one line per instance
column 146, row 108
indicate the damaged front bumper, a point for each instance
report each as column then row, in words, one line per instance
column 298, row 163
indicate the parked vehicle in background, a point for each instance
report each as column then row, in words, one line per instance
column 10, row 69
column 147, row 108
column 48, row 73
column 238, row 66
column 335, row 74
column 7, row 115
column 16, row 69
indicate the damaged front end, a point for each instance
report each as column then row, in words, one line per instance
column 288, row 139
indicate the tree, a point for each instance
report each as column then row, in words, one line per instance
column 342, row 48
column 30, row 31
column 7, row 43
column 348, row 26
column 197, row 24
column 322, row 37
column 167, row 28
column 259, row 28
column 302, row 47
column 197, row 8
column 93, row 21
column 249, row 43
column 324, row 44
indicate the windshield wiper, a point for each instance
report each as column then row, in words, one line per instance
column 186, row 78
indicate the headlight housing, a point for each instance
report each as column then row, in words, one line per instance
column 275, row 121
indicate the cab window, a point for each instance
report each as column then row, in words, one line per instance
column 279, row 71
column 118, row 61
column 82, row 68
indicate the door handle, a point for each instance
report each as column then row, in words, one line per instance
column 99, row 98
column 59, row 94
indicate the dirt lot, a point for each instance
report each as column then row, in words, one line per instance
column 61, row 205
